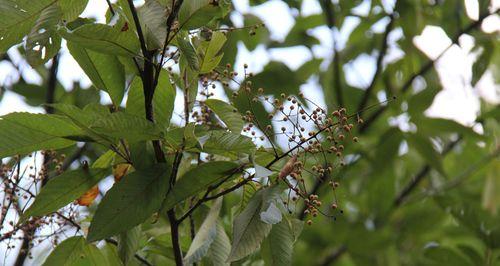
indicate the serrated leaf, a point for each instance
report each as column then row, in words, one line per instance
column 72, row 8
column 248, row 229
column 188, row 52
column 105, row 160
column 163, row 100
column 42, row 43
column 277, row 249
column 63, row 189
column 196, row 13
column 130, row 202
column 75, row 251
column 111, row 254
column 227, row 144
column 249, row 190
column 128, row 244
column 24, row 132
column 220, row 248
column 121, row 125
column 211, row 57
column 205, row 235
column 197, row 180
column 104, row 70
column 98, row 123
column 153, row 22
column 18, row 18
column 227, row 113
column 104, row 39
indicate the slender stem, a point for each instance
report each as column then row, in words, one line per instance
column 424, row 171
column 380, row 58
column 110, row 7
column 176, row 5
column 329, row 12
column 148, row 83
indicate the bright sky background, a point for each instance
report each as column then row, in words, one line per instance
column 458, row 100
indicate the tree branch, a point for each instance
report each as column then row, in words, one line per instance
column 380, row 58
column 327, row 7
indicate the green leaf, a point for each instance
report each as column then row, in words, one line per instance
column 104, row 39
column 85, row 117
column 277, row 249
column 249, row 190
column 205, row 235
column 419, row 102
column 104, row 70
column 128, row 244
column 197, row 13
column 72, row 8
column 483, row 61
column 153, row 23
column 227, row 113
column 438, row 127
column 220, row 248
column 187, row 51
column 197, row 180
column 424, row 147
column 75, row 251
column 212, row 55
column 42, row 43
column 387, row 149
column 122, row 125
column 491, row 197
column 105, row 160
column 163, row 100
column 98, row 123
column 23, row 133
column 130, row 202
column 111, row 255
column 251, row 41
column 277, row 78
column 228, row 144
column 248, row 229
column 445, row 256
column 63, row 189
column 18, row 18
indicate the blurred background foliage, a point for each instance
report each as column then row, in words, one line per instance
column 423, row 193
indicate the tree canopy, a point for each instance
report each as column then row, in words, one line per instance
column 179, row 153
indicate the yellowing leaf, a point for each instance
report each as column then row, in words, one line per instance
column 120, row 170
column 88, row 197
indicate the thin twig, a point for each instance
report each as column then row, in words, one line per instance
column 380, row 58
column 329, row 12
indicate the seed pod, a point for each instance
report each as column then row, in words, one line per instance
column 288, row 167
